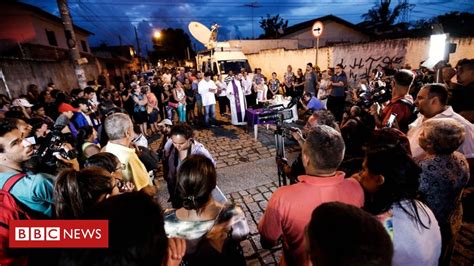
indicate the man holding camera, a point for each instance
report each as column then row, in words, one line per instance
column 34, row 191
column 401, row 105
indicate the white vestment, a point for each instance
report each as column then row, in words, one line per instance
column 237, row 102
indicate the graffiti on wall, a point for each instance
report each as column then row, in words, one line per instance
column 360, row 67
column 359, row 62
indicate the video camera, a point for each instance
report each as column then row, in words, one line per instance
column 45, row 157
column 277, row 114
column 381, row 93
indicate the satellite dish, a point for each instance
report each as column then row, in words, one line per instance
column 200, row 32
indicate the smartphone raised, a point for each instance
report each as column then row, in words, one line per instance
column 391, row 119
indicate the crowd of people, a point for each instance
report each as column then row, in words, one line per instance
column 379, row 179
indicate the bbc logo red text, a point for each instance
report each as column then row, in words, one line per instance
column 59, row 234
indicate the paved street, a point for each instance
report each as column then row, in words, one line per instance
column 247, row 175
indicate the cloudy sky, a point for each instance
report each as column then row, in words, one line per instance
column 109, row 19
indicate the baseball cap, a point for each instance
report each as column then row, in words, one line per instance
column 165, row 122
column 64, row 107
column 22, row 102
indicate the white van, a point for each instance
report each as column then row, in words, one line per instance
column 221, row 59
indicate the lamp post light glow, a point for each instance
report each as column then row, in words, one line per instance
column 157, row 34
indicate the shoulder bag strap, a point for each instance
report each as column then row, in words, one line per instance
column 11, row 181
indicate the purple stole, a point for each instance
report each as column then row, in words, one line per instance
column 237, row 101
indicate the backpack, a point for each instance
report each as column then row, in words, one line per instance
column 10, row 210
column 411, row 106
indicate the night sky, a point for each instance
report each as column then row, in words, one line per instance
column 110, row 18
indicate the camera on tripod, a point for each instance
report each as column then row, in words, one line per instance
column 276, row 114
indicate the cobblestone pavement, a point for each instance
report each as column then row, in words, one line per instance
column 247, row 175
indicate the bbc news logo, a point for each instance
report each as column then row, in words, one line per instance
column 59, row 234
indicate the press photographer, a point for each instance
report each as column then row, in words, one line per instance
column 33, row 190
column 322, row 117
column 400, row 109
column 52, row 151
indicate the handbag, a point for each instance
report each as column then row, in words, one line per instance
column 173, row 105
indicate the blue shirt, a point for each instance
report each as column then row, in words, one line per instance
column 33, row 190
column 339, row 91
column 315, row 104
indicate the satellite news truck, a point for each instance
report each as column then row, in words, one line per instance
column 219, row 57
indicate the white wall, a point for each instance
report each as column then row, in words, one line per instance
column 358, row 59
column 277, row 60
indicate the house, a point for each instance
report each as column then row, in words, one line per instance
column 336, row 30
column 23, row 23
column 116, row 61
column 34, row 40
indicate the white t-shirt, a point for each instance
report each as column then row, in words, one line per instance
column 223, row 87
column 415, row 128
column 414, row 245
column 208, row 97
column 247, row 85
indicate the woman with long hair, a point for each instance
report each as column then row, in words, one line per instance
column 179, row 97
column 212, row 230
column 76, row 192
column 390, row 178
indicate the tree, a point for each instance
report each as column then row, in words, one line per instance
column 455, row 23
column 172, row 44
column 381, row 18
column 273, row 26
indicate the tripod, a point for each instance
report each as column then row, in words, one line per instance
column 280, row 152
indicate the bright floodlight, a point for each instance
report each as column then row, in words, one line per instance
column 157, row 34
column 437, row 47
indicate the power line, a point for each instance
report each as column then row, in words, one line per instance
column 105, row 28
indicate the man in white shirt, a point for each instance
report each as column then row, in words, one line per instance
column 432, row 103
column 207, row 89
column 166, row 77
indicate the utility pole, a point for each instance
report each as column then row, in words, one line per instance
column 71, row 42
column 253, row 5
column 139, row 50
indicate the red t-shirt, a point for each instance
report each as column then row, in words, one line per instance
column 290, row 207
column 402, row 110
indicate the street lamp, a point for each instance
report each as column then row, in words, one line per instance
column 157, row 34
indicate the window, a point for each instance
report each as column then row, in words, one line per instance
column 234, row 65
column 51, row 37
column 84, row 46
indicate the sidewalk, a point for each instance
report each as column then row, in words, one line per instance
column 247, row 174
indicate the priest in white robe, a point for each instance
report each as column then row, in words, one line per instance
column 235, row 93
